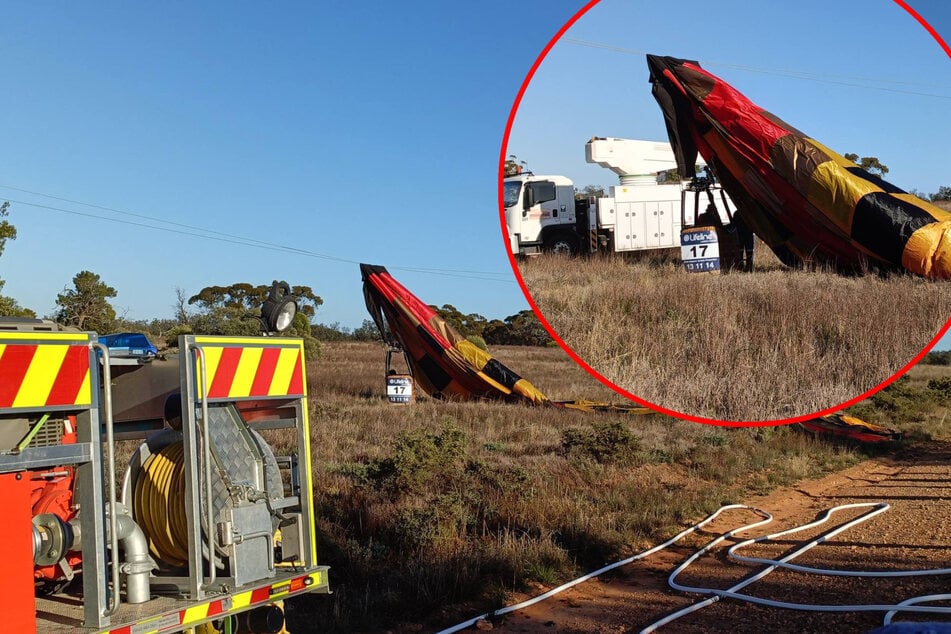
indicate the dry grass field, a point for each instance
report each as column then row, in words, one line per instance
column 773, row 344
column 433, row 512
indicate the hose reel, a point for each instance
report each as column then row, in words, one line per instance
column 158, row 505
column 245, row 480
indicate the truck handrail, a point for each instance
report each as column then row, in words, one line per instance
column 112, row 604
column 206, row 459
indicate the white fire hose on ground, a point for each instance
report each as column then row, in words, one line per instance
column 909, row 605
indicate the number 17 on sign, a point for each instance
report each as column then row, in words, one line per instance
column 399, row 388
column 699, row 249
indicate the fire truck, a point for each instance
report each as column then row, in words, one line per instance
column 211, row 525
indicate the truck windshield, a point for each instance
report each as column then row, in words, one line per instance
column 510, row 193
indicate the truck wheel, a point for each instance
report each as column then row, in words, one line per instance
column 563, row 243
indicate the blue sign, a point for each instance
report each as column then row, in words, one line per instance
column 699, row 249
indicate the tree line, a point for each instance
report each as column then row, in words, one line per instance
column 937, row 357
column 521, row 329
column 234, row 310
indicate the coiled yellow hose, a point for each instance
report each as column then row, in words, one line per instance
column 159, row 505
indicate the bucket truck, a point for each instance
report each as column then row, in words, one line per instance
column 646, row 210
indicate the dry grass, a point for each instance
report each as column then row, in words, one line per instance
column 433, row 512
column 770, row 345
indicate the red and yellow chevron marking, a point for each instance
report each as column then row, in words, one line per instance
column 244, row 368
column 195, row 615
column 36, row 374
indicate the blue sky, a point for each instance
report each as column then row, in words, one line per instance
column 370, row 132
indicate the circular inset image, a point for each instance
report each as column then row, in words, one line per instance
column 727, row 215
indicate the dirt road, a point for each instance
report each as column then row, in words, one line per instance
column 915, row 533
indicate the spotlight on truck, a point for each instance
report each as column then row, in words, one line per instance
column 279, row 309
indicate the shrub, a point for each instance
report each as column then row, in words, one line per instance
column 171, row 335
column 443, row 518
column 941, row 387
column 604, row 442
column 903, row 401
column 418, row 457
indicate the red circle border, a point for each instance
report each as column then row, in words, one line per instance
column 571, row 353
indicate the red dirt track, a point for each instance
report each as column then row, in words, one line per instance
column 914, row 534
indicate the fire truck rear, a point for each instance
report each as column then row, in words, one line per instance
column 212, row 524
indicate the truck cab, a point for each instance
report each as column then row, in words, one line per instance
column 646, row 211
column 541, row 213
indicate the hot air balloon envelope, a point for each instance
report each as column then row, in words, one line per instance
column 805, row 201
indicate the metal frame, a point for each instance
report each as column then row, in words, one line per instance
column 197, row 452
column 196, row 584
column 89, row 469
column 110, row 475
column 204, row 596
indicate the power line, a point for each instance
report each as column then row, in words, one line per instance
column 131, row 213
column 825, row 78
column 211, row 234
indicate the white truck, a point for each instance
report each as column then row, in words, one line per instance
column 644, row 211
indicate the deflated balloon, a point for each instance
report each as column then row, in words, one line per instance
column 444, row 364
column 805, row 201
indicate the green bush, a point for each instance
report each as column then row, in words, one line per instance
column 941, row 388
column 443, row 519
column 171, row 335
column 418, row 457
column 604, row 442
column 897, row 396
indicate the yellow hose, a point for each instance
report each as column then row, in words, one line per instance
column 159, row 505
